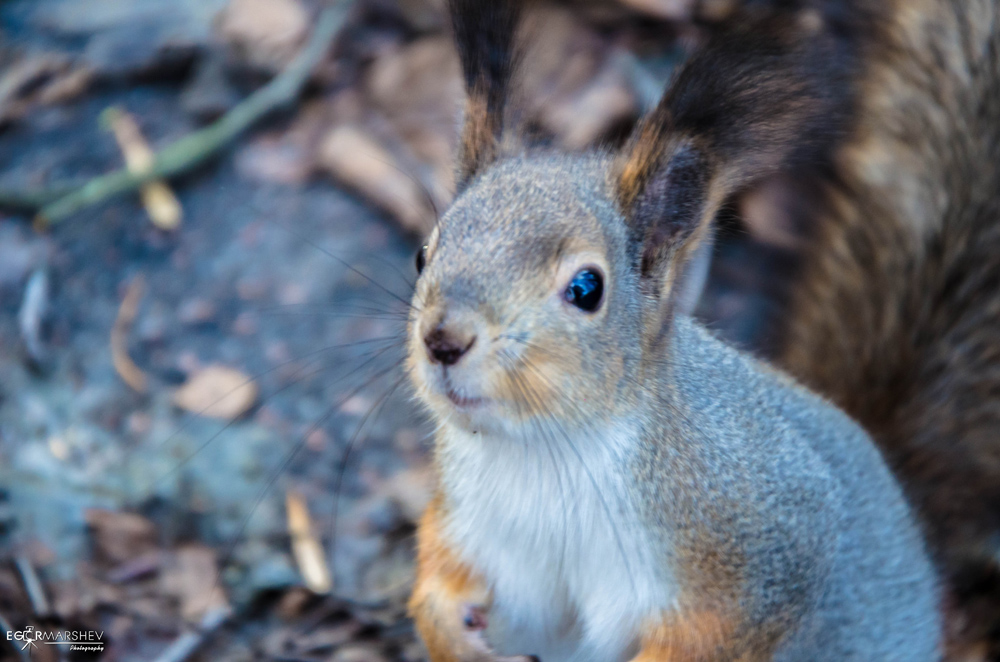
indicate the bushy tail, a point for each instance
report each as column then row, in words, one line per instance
column 896, row 316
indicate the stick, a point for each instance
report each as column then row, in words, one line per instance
column 32, row 586
column 186, row 644
column 194, row 148
column 33, row 200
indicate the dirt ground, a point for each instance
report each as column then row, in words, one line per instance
column 123, row 504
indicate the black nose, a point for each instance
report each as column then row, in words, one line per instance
column 445, row 347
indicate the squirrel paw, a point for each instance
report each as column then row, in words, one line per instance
column 476, row 620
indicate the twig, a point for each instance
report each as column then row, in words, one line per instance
column 33, row 200
column 194, row 148
column 185, row 645
column 8, row 631
column 32, row 586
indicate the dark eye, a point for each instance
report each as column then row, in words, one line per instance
column 585, row 290
column 421, row 258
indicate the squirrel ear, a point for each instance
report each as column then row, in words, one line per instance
column 663, row 187
column 485, row 37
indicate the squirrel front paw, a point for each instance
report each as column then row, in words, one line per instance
column 475, row 619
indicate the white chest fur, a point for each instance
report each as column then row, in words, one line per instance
column 550, row 523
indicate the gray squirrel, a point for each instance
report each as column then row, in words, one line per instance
column 613, row 482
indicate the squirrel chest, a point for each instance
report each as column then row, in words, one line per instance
column 550, row 522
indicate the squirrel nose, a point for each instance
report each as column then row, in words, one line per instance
column 445, row 347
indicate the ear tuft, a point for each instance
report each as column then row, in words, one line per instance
column 484, row 33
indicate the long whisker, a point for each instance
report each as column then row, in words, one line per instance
column 264, row 373
column 378, row 405
column 181, row 463
column 613, row 521
column 286, row 462
column 347, row 265
column 524, row 390
column 320, row 312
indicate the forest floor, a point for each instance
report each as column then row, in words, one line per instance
column 123, row 501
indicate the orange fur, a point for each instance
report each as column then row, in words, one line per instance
column 698, row 636
column 643, row 158
column 445, row 587
column 480, row 138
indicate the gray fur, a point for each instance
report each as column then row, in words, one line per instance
column 731, row 489
column 790, row 483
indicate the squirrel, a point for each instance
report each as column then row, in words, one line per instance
column 613, row 482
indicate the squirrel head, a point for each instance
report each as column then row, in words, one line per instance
column 541, row 298
column 547, row 290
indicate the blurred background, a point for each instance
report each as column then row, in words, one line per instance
column 207, row 446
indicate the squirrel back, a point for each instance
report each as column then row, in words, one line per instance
column 896, row 314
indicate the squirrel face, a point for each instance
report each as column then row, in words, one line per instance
column 526, row 310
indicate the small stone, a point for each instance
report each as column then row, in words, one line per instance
column 196, row 311
column 245, row 324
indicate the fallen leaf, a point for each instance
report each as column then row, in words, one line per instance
column 359, row 161
column 267, row 33
column 583, row 118
column 306, row 547
column 121, row 536
column 683, row 10
column 217, row 391
column 670, row 9
column 419, row 90
column 124, row 366
column 39, row 79
column 191, row 577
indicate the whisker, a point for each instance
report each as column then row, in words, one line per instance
column 264, row 373
column 346, row 264
column 378, row 405
column 285, row 463
column 185, row 460
column 586, row 468
column 525, row 390
column 319, row 312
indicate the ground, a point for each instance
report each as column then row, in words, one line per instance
column 120, row 510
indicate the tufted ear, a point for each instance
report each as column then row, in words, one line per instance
column 772, row 89
column 664, row 183
column 484, row 33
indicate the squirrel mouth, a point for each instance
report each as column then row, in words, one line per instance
column 464, row 402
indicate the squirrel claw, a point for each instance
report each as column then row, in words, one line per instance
column 475, row 619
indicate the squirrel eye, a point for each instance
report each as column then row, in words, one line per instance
column 585, row 290
column 421, row 258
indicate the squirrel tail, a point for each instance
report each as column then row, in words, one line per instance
column 896, row 314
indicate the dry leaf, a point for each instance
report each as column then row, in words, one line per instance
column 124, row 366
column 160, row 202
column 671, row 9
column 121, row 536
column 267, row 32
column 682, row 10
column 583, row 118
column 192, row 578
column 41, row 79
column 217, row 391
column 306, row 547
column 357, row 160
column 419, row 89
